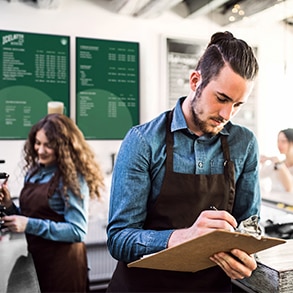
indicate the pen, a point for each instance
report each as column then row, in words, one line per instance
column 215, row 209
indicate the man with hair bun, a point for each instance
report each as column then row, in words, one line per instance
column 171, row 170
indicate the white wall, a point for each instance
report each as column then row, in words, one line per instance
column 84, row 18
column 274, row 40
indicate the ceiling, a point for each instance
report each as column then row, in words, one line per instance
column 222, row 12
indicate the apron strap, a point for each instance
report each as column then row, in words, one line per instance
column 54, row 182
column 169, row 142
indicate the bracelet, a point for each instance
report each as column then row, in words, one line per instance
column 276, row 166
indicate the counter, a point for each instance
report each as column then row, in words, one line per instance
column 281, row 200
column 275, row 265
column 12, row 246
column 274, row 272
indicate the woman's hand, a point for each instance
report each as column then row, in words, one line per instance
column 15, row 223
column 5, row 197
column 237, row 264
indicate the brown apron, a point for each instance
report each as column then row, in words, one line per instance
column 182, row 198
column 60, row 266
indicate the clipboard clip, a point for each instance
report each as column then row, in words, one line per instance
column 250, row 226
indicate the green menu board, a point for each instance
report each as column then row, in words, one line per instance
column 107, row 81
column 34, row 70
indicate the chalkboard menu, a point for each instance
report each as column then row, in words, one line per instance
column 182, row 59
column 34, row 70
column 107, row 81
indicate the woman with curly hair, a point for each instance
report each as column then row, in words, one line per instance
column 61, row 176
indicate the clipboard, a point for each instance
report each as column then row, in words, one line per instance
column 193, row 255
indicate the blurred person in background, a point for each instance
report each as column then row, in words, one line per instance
column 276, row 172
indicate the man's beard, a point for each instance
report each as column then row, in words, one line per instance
column 202, row 125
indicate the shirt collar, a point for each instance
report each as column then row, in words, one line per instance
column 178, row 121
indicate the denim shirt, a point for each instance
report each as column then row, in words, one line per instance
column 139, row 171
column 74, row 210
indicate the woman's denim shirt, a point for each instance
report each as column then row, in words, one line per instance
column 74, row 210
column 139, row 171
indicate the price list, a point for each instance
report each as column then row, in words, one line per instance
column 107, row 79
column 34, row 70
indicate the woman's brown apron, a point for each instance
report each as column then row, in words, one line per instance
column 182, row 198
column 60, row 266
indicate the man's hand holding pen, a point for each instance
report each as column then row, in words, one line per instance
column 237, row 264
column 208, row 221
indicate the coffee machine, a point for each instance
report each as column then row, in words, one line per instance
column 3, row 178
